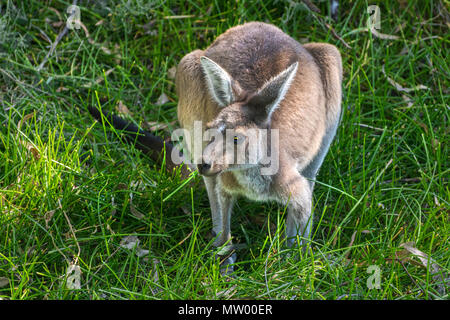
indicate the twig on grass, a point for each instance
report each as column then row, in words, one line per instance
column 72, row 231
column 58, row 39
column 409, row 275
column 334, row 33
column 313, row 9
column 311, row 6
column 404, row 180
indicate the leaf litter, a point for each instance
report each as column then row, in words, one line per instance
column 425, row 261
column 132, row 243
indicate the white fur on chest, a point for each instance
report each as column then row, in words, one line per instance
column 256, row 186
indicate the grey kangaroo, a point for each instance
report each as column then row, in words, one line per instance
column 254, row 76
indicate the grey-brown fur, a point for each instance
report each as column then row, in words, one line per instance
column 253, row 55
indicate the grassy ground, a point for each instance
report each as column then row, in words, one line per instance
column 72, row 194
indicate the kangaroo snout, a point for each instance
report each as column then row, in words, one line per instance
column 205, row 169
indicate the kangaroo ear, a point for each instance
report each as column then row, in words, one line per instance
column 267, row 99
column 218, row 81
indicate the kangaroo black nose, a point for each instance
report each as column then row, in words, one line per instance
column 203, row 167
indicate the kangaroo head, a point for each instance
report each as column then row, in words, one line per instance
column 238, row 136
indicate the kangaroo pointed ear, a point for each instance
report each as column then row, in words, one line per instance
column 218, row 81
column 267, row 99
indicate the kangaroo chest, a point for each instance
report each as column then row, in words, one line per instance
column 251, row 184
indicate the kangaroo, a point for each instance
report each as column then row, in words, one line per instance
column 252, row 79
column 256, row 77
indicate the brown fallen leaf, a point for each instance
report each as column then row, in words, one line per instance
column 48, row 216
column 91, row 41
column 227, row 293
column 377, row 34
column 162, row 99
column 423, row 257
column 408, row 100
column 61, row 89
column 436, row 201
column 383, row 35
column 425, row 261
column 435, row 143
column 171, row 73
column 25, row 119
column 155, row 126
column 186, row 210
column 399, row 87
column 122, row 108
column 99, row 80
column 31, row 148
column 4, row 282
column 136, row 212
column 57, row 24
column 34, row 151
column 336, row 230
column 132, row 243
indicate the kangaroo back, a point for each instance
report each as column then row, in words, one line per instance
column 328, row 59
column 253, row 53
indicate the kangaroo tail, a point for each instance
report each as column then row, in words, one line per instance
column 147, row 142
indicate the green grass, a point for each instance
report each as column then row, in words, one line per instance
column 71, row 190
